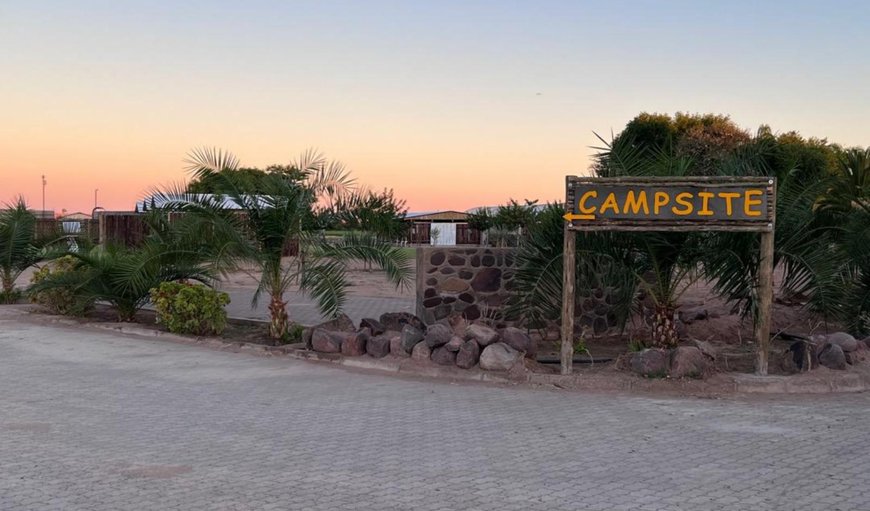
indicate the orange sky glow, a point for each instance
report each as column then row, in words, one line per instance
column 453, row 105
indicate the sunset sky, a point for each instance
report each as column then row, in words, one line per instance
column 453, row 104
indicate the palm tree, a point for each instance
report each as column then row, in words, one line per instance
column 808, row 242
column 255, row 236
column 18, row 250
column 603, row 261
column 850, row 187
column 665, row 263
column 123, row 277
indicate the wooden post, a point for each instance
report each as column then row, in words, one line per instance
column 765, row 292
column 569, row 256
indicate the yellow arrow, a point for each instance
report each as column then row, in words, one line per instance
column 573, row 216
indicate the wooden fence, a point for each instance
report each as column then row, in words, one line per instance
column 122, row 228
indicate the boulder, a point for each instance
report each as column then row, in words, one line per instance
column 454, row 343
column 487, row 280
column 707, row 349
column 483, row 334
column 867, row 342
column 354, row 345
column 692, row 314
column 845, row 341
column 326, row 341
column 443, row 356
column 458, row 324
column 468, row 355
column 438, row 335
column 341, row 323
column 374, row 326
column 519, row 340
column 651, row 362
column 688, row 362
column 499, row 357
column 421, row 351
column 397, row 321
column 378, row 346
column 396, row 347
column 859, row 356
column 410, row 336
column 832, row 356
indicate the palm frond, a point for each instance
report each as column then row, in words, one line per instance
column 203, row 161
column 326, row 282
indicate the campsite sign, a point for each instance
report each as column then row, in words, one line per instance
column 670, row 204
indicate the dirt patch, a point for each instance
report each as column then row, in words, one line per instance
column 362, row 281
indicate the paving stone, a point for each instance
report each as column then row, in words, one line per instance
column 94, row 420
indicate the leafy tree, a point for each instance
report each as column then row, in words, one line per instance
column 481, row 219
column 515, row 216
column 380, row 213
column 705, row 140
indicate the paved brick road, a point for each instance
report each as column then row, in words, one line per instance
column 96, row 421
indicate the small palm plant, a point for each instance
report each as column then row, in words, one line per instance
column 18, row 249
column 123, row 277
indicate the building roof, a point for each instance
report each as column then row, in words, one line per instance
column 444, row 216
column 77, row 216
column 158, row 202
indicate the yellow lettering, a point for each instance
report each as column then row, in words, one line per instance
column 660, row 199
column 609, row 203
column 728, row 196
column 636, row 202
column 581, row 204
column 683, row 199
column 705, row 202
column 747, row 202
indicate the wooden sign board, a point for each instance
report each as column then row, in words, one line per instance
column 670, row 204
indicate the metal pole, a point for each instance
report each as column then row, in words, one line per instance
column 95, row 197
column 43, row 194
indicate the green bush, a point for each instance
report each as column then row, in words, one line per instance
column 189, row 308
column 61, row 299
column 294, row 333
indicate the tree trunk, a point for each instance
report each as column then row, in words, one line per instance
column 8, row 283
column 279, row 319
column 664, row 333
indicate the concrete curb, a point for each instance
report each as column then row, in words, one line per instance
column 818, row 382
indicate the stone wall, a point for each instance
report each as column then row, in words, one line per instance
column 469, row 281
column 476, row 282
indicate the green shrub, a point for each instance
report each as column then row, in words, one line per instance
column 294, row 334
column 61, row 299
column 636, row 345
column 189, row 308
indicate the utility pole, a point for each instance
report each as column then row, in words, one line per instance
column 44, row 182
